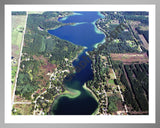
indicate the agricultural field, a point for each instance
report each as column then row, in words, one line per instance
column 18, row 23
column 128, row 58
column 23, row 109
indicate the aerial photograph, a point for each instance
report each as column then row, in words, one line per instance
column 80, row 63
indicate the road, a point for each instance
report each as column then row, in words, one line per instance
column 19, row 61
column 125, row 106
column 22, row 103
column 36, row 101
column 106, row 101
column 42, row 94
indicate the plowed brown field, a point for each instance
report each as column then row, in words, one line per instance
column 128, row 58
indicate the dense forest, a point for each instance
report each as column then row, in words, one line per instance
column 136, row 87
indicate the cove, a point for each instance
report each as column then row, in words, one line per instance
column 84, row 33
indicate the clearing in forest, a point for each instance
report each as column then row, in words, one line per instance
column 128, row 58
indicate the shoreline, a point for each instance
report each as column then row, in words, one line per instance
column 66, row 17
column 69, row 93
column 99, row 31
column 78, row 53
column 94, row 96
column 89, row 90
column 63, row 24
column 103, row 41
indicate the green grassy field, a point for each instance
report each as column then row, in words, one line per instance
column 16, row 38
column 18, row 23
column 111, row 82
column 14, row 70
column 22, row 109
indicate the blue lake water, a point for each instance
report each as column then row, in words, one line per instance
column 84, row 33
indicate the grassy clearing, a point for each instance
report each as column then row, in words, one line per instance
column 13, row 74
column 130, row 57
column 18, row 20
column 116, row 40
column 17, row 38
column 131, row 43
column 111, row 73
column 111, row 81
column 12, row 87
column 31, row 76
column 14, row 70
column 18, row 23
column 22, row 109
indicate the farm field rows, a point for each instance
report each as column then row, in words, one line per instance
column 129, row 58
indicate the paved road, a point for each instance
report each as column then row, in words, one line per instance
column 22, row 102
column 19, row 60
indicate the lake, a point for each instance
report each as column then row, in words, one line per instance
column 84, row 33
